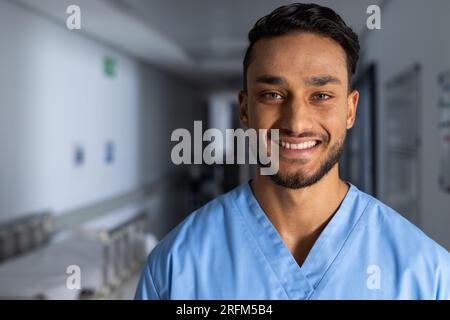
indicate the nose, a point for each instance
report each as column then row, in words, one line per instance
column 297, row 116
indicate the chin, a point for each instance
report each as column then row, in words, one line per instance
column 289, row 169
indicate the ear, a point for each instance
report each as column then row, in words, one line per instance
column 352, row 106
column 243, row 108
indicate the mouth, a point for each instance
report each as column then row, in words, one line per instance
column 299, row 146
column 296, row 148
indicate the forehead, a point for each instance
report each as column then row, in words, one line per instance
column 298, row 55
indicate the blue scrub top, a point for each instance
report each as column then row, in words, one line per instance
column 229, row 249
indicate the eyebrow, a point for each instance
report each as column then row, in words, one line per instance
column 268, row 79
column 321, row 81
column 310, row 81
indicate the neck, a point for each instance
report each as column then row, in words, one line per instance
column 300, row 215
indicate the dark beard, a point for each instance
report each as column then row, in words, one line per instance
column 300, row 180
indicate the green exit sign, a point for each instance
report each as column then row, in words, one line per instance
column 110, row 67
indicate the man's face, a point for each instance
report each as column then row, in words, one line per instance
column 298, row 84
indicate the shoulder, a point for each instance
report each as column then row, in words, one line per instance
column 201, row 224
column 407, row 246
column 395, row 227
column 184, row 248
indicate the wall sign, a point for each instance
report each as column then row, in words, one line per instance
column 444, row 130
column 403, row 143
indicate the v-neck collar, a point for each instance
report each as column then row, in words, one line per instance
column 300, row 282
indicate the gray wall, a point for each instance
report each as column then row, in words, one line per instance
column 54, row 94
column 416, row 31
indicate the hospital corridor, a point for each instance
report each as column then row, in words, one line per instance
column 96, row 95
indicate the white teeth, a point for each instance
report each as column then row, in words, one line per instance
column 299, row 146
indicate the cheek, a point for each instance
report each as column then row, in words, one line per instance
column 335, row 124
column 261, row 116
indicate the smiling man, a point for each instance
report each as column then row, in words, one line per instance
column 302, row 233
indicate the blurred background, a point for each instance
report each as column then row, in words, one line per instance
column 87, row 186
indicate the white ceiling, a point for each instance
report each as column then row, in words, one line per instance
column 198, row 38
column 209, row 29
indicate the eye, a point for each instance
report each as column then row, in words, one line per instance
column 272, row 96
column 321, row 96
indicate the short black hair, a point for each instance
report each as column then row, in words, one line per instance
column 311, row 18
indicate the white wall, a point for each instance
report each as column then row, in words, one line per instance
column 54, row 94
column 416, row 31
